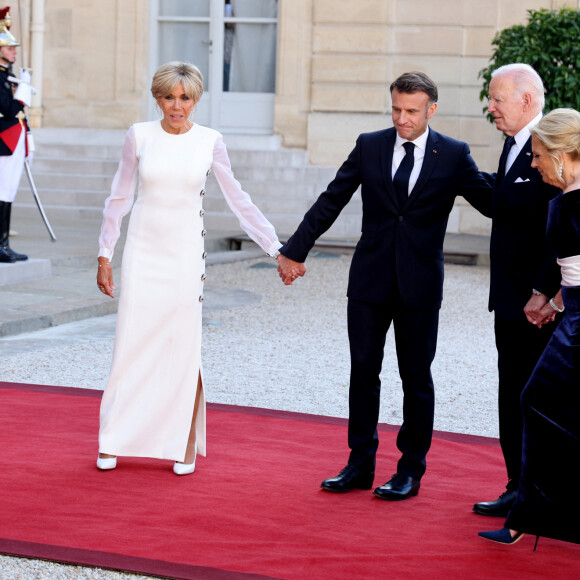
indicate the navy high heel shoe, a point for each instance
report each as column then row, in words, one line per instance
column 502, row 536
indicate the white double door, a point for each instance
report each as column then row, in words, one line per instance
column 233, row 42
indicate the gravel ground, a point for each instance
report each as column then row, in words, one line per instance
column 281, row 348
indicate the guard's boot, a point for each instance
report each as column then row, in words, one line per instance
column 5, row 250
column 5, row 257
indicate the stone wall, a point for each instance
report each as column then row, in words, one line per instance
column 358, row 48
column 336, row 60
column 95, row 62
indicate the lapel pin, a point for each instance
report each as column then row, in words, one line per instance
column 528, row 153
column 434, row 150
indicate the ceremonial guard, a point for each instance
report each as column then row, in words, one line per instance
column 15, row 94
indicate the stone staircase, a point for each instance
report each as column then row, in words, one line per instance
column 73, row 170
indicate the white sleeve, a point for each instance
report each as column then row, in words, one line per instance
column 251, row 218
column 119, row 203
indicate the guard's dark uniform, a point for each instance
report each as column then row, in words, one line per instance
column 13, row 144
column 9, row 108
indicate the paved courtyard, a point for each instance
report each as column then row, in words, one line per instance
column 267, row 345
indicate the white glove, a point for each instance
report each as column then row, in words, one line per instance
column 30, row 142
column 24, row 93
column 25, row 75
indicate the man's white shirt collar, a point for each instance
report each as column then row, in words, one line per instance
column 521, row 138
column 420, row 142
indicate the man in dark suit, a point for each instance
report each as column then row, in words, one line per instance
column 409, row 177
column 524, row 272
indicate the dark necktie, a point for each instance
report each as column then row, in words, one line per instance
column 509, row 142
column 401, row 178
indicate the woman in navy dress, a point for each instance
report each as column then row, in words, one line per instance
column 546, row 502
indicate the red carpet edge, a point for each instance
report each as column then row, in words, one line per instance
column 120, row 562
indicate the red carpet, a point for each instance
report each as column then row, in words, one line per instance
column 253, row 509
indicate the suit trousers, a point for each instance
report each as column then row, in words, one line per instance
column 519, row 346
column 416, row 342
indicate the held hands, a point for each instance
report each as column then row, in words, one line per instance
column 538, row 310
column 547, row 314
column 105, row 277
column 289, row 270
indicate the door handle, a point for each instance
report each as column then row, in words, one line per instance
column 208, row 42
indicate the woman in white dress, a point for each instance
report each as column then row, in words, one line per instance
column 154, row 403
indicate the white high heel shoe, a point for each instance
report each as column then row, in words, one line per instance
column 106, row 463
column 185, row 468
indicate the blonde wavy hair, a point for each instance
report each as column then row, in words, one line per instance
column 170, row 74
column 559, row 132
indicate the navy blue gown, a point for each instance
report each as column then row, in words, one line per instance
column 547, row 502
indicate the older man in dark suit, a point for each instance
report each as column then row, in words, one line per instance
column 524, row 272
column 409, row 177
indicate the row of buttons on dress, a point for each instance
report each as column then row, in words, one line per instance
column 203, row 234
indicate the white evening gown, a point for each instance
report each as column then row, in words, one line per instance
column 147, row 406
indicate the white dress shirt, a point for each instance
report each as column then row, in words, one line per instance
column 399, row 152
column 520, row 139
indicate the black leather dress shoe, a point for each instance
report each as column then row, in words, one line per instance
column 399, row 487
column 350, row 477
column 498, row 508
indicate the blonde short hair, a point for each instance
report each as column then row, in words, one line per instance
column 559, row 132
column 170, row 74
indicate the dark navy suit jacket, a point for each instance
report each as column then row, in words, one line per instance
column 400, row 246
column 520, row 258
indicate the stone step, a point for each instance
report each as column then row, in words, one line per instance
column 31, row 269
column 279, row 158
column 28, row 210
column 73, row 171
column 84, row 190
column 272, row 189
column 78, row 151
column 271, row 199
column 71, row 136
column 267, row 203
column 73, row 166
column 69, row 182
column 321, row 176
column 98, row 174
column 347, row 226
column 62, row 198
column 67, row 202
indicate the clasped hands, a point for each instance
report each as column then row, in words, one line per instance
column 289, row 270
column 538, row 310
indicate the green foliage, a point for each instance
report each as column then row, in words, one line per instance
column 550, row 43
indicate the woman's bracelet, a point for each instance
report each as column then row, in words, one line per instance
column 553, row 305
column 104, row 264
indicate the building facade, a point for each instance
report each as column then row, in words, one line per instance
column 315, row 73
